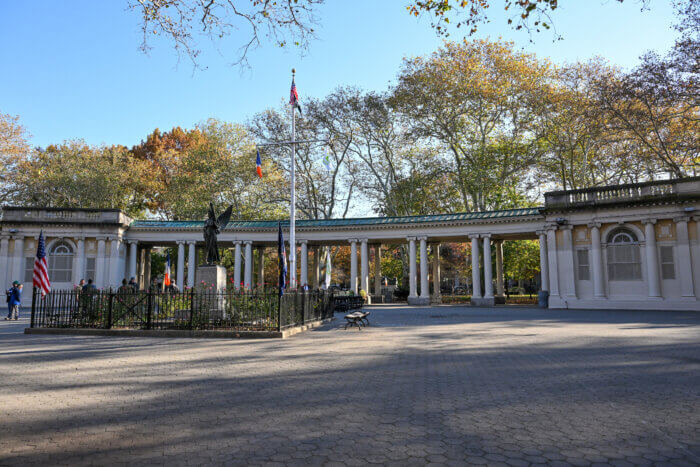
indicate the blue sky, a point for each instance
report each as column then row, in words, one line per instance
column 72, row 68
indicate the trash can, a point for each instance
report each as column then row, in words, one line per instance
column 543, row 299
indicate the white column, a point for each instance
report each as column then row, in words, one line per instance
column 18, row 263
column 683, row 253
column 147, row 268
column 377, row 270
column 569, row 274
column 100, row 263
column 4, row 253
column 304, row 278
column 79, row 272
column 248, row 271
column 353, row 265
column 651, row 259
column 237, row 265
column 413, row 292
column 597, row 262
column 180, row 275
column 261, row 267
column 191, row 260
column 488, row 268
column 364, row 268
column 500, row 290
column 133, row 253
column 424, row 287
column 114, row 279
column 476, row 277
column 317, row 267
column 437, row 296
column 553, row 262
column 544, row 266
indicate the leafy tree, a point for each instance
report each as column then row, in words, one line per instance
column 74, row 174
column 480, row 103
column 656, row 106
column 14, row 149
column 521, row 259
column 528, row 15
column 162, row 156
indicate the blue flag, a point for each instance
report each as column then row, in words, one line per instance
column 282, row 255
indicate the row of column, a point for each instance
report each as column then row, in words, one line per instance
column 550, row 268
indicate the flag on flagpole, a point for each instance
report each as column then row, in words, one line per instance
column 41, row 268
column 327, row 162
column 166, row 280
column 294, row 97
column 282, row 255
column 258, row 165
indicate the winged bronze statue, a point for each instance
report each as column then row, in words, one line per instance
column 212, row 227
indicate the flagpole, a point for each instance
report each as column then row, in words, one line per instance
column 292, row 213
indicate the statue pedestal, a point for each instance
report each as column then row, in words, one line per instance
column 210, row 288
column 211, row 277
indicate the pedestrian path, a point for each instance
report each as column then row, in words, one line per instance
column 446, row 385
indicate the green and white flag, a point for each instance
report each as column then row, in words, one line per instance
column 327, row 162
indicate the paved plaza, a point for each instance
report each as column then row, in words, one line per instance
column 445, row 385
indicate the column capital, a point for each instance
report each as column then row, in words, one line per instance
column 551, row 227
column 250, row 242
column 649, row 221
column 301, row 242
column 364, row 240
column 422, row 238
column 411, row 238
column 681, row 219
column 191, row 242
column 540, row 232
column 352, row 240
column 566, row 227
column 102, row 238
column 485, row 236
column 177, row 242
column 237, row 242
column 594, row 225
column 472, row 236
column 132, row 241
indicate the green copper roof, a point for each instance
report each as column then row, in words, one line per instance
column 462, row 216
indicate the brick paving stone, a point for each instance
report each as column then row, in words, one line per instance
column 447, row 384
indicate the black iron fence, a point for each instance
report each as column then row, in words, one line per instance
column 197, row 310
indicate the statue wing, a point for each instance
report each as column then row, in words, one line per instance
column 223, row 219
column 210, row 212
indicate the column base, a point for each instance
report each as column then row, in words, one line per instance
column 483, row 301
column 418, row 301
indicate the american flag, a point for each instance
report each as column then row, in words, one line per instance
column 294, row 97
column 41, row 268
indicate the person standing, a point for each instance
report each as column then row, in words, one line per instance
column 14, row 300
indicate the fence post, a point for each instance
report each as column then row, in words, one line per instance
column 149, row 311
column 31, row 322
column 279, row 312
column 191, row 309
column 109, row 310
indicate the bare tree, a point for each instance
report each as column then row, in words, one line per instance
column 283, row 22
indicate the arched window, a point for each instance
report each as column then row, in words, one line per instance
column 624, row 262
column 61, row 262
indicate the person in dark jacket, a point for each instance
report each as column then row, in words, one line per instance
column 14, row 299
